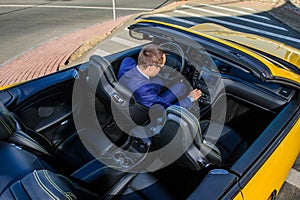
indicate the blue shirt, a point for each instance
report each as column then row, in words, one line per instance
column 147, row 91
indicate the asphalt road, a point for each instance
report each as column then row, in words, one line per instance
column 26, row 24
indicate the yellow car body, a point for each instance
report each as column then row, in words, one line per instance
column 261, row 80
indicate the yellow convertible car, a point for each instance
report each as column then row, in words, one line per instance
column 80, row 134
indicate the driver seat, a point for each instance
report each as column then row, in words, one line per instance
column 126, row 112
column 199, row 146
column 12, row 129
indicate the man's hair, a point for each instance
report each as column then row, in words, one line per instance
column 150, row 54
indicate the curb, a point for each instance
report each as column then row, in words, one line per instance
column 50, row 56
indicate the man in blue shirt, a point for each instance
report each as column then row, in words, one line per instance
column 141, row 79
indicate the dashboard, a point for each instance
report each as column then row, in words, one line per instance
column 210, row 73
column 207, row 83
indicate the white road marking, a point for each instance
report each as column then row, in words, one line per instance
column 251, row 9
column 124, row 42
column 17, row 6
column 101, row 52
column 76, row 7
column 236, row 11
column 239, row 26
column 293, row 178
column 234, row 17
column 177, row 19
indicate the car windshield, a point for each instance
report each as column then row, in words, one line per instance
column 275, row 60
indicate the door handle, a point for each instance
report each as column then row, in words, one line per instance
column 273, row 195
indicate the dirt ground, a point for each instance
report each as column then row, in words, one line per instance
column 288, row 13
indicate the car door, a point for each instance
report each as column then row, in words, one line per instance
column 264, row 167
column 44, row 104
column 218, row 184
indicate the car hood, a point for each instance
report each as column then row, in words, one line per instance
column 266, row 45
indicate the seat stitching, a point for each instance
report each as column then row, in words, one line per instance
column 21, row 125
column 7, row 127
column 66, row 194
column 41, row 135
column 11, row 131
column 211, row 146
column 180, row 110
column 43, row 187
column 9, row 120
column 39, row 147
column 23, row 185
column 34, row 143
column 183, row 111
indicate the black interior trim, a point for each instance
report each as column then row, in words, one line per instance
column 21, row 93
column 5, row 97
column 220, row 184
column 267, row 142
column 255, row 95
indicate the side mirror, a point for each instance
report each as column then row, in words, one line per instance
column 136, row 35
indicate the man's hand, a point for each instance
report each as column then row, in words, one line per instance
column 195, row 94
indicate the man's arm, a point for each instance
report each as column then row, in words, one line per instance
column 127, row 64
column 148, row 96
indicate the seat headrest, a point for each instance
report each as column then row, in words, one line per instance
column 102, row 79
column 189, row 118
column 211, row 152
column 179, row 140
column 182, row 129
column 7, row 123
column 98, row 67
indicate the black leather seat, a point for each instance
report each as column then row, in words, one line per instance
column 72, row 152
column 17, row 163
column 13, row 130
column 230, row 144
column 44, row 184
column 125, row 110
column 26, row 176
column 205, row 143
column 22, row 167
column 70, row 158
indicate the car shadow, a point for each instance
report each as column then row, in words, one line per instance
column 280, row 23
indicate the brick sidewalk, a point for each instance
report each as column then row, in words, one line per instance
column 48, row 57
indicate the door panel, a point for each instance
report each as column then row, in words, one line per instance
column 217, row 184
column 273, row 172
column 45, row 104
column 50, row 112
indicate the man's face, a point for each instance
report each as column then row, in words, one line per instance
column 156, row 68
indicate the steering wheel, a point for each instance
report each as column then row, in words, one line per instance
column 174, row 61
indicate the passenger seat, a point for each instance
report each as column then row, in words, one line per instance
column 26, row 176
column 13, row 130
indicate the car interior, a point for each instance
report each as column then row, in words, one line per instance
column 89, row 142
